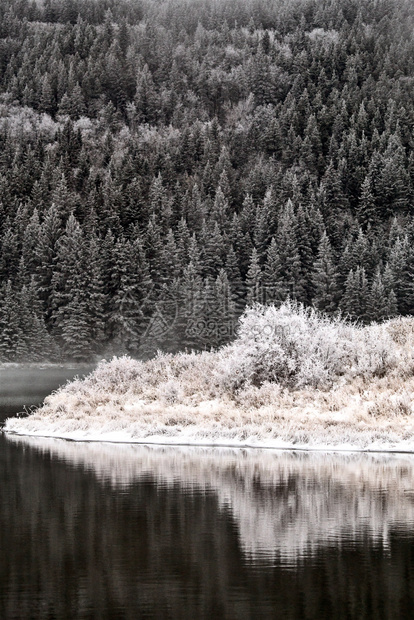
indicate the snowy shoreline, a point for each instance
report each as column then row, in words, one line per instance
column 293, row 380
column 277, row 446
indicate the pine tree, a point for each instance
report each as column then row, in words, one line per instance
column 182, row 238
column 287, row 245
column 237, row 287
column 97, row 296
column 400, row 263
column 130, row 300
column 325, row 278
column 213, row 248
column 39, row 343
column 355, row 300
column 305, row 250
column 254, row 280
column 9, row 253
column 146, row 100
column 160, row 203
column 63, row 198
column 382, row 304
column 274, row 285
column 73, row 104
column 190, row 323
column 69, row 299
column 47, row 101
column 220, row 208
column 154, row 249
column 248, row 214
column 360, row 251
column 367, row 208
column 45, row 253
column 11, row 334
column 219, row 311
column 261, row 231
column 29, row 245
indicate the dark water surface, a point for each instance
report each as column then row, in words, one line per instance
column 27, row 387
column 91, row 530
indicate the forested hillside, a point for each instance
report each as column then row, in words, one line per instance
column 163, row 163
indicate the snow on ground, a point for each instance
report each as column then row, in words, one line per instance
column 292, row 379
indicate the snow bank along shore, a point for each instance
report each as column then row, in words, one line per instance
column 292, row 379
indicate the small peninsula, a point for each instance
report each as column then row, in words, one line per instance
column 293, row 378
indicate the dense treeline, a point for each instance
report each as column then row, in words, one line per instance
column 164, row 163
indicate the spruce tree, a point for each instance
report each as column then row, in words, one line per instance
column 325, row 278
column 11, row 334
column 190, row 323
column 382, row 304
column 45, row 253
column 402, row 270
column 254, row 280
column 287, row 245
column 237, row 286
column 367, row 208
column 355, row 300
column 69, row 297
column 274, row 285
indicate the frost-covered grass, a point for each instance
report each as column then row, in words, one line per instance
column 291, row 378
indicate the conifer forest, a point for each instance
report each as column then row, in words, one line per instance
column 166, row 163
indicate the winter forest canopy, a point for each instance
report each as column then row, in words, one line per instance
column 163, row 163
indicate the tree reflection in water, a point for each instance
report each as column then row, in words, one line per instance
column 104, row 530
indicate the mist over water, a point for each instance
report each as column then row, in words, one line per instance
column 22, row 386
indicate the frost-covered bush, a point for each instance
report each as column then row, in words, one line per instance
column 374, row 351
column 170, row 392
column 401, row 330
column 297, row 346
column 122, row 374
column 290, row 346
column 254, row 397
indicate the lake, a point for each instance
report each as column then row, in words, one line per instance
column 93, row 530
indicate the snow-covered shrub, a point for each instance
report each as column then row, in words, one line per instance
column 401, row 330
column 374, row 351
column 254, row 397
column 121, row 374
column 170, row 392
column 390, row 405
column 297, row 346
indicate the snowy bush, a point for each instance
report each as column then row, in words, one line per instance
column 170, row 392
column 122, row 374
column 292, row 346
column 401, row 330
column 297, row 346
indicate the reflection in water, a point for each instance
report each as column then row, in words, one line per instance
column 285, row 504
column 119, row 531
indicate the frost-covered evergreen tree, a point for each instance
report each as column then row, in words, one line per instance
column 382, row 303
column 198, row 148
column 12, row 344
column 355, row 300
column 274, row 287
column 254, row 280
column 325, row 278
